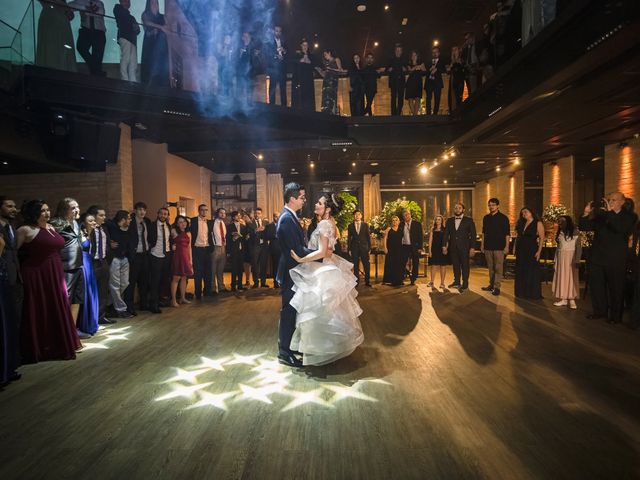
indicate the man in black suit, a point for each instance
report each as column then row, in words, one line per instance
column 291, row 238
column 275, row 53
column 396, row 70
column 139, row 264
column 612, row 225
column 274, row 247
column 100, row 254
column 359, row 242
column 10, row 336
column 412, row 241
column 259, row 249
column 370, row 75
column 235, row 248
column 459, row 240
column 201, row 248
column 433, row 86
column 159, row 247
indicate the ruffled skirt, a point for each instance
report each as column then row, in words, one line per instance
column 327, row 325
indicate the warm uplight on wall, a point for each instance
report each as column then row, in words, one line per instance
column 512, row 200
column 555, row 184
column 626, row 174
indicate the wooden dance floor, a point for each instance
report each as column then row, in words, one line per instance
column 445, row 386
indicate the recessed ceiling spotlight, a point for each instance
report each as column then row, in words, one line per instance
column 353, row 164
column 349, row 173
column 445, row 181
column 435, row 163
column 424, row 170
column 361, row 6
column 403, row 182
column 386, row 8
column 374, row 164
column 375, row 44
column 344, row 149
column 405, row 20
column 480, row 162
column 436, row 43
column 453, row 153
column 312, row 164
column 317, row 45
column 260, row 156
column 595, row 159
column 497, row 168
column 5, row 163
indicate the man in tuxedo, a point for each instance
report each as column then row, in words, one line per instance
column 291, row 237
column 276, row 52
column 139, row 264
column 433, row 85
column 10, row 337
column 235, row 233
column 219, row 255
column 370, row 75
column 200, row 228
column 259, row 249
column 412, row 241
column 612, row 226
column 359, row 242
column 397, row 68
column 100, row 257
column 459, row 240
column 274, row 247
column 159, row 247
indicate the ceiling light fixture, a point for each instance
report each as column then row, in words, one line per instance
column 435, row 163
column 361, row 6
column 424, row 170
column 312, row 164
column 316, row 45
column 497, row 168
column 375, row 44
column 444, row 182
column 386, row 8
column 374, row 164
column 453, row 153
column 402, row 182
column 260, row 156
column 436, row 43
column 353, row 164
column 445, row 156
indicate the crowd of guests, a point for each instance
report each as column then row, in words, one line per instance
column 240, row 57
column 64, row 274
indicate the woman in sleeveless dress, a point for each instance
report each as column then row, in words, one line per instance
column 47, row 330
column 529, row 242
column 327, row 325
column 181, row 264
column 567, row 263
column 436, row 257
column 89, row 309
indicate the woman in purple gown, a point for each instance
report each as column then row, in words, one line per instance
column 48, row 331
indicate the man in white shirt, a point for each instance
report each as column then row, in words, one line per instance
column 259, row 249
column 219, row 256
column 159, row 246
column 201, row 248
column 99, row 250
column 92, row 34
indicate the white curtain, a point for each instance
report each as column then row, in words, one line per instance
column 371, row 196
column 275, row 191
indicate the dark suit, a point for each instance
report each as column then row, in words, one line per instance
column 201, row 258
column 459, row 242
column 13, row 295
column 235, row 249
column 259, row 252
column 71, row 256
column 101, row 259
column 359, row 248
column 138, row 265
column 412, row 250
column 433, row 85
column 397, row 83
column 290, row 237
column 277, row 70
column 274, row 250
column 158, row 265
column 608, row 260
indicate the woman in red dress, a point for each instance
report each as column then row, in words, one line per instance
column 48, row 331
column 181, row 265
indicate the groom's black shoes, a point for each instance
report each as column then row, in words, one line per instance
column 290, row 360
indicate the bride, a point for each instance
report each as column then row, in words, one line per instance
column 327, row 325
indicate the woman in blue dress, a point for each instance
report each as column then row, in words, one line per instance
column 88, row 317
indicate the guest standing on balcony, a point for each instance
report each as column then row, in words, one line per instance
column 303, row 94
column 370, row 75
column 331, row 69
column 433, row 85
column 154, row 66
column 92, row 34
column 276, row 57
column 413, row 93
column 225, row 54
column 396, row 69
column 55, row 39
column 567, row 263
column 612, row 226
column 456, row 80
column 48, row 331
column 356, row 87
column 128, row 30
column 527, row 249
column 470, row 62
column 247, row 68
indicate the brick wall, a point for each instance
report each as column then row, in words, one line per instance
column 557, row 183
column 508, row 188
column 622, row 169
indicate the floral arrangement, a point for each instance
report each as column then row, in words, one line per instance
column 381, row 222
column 345, row 217
column 552, row 213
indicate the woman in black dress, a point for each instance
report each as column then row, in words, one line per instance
column 436, row 257
column 456, row 80
column 154, row 64
column 413, row 89
column 304, row 96
column 332, row 68
column 527, row 250
column 393, row 264
column 356, row 87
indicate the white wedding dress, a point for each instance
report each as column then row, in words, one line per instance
column 327, row 325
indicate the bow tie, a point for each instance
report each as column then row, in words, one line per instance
column 458, row 218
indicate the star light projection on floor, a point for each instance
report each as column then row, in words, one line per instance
column 106, row 337
column 266, row 382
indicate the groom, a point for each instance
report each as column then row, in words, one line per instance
column 290, row 237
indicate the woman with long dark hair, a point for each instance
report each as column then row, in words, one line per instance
column 413, row 91
column 356, row 87
column 303, row 95
column 394, row 266
column 528, row 248
column 567, row 263
column 181, row 264
column 436, row 257
column 90, row 307
column 154, row 64
column 48, row 331
column 331, row 69
column 456, row 79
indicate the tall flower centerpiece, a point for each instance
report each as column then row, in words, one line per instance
column 550, row 216
column 381, row 222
